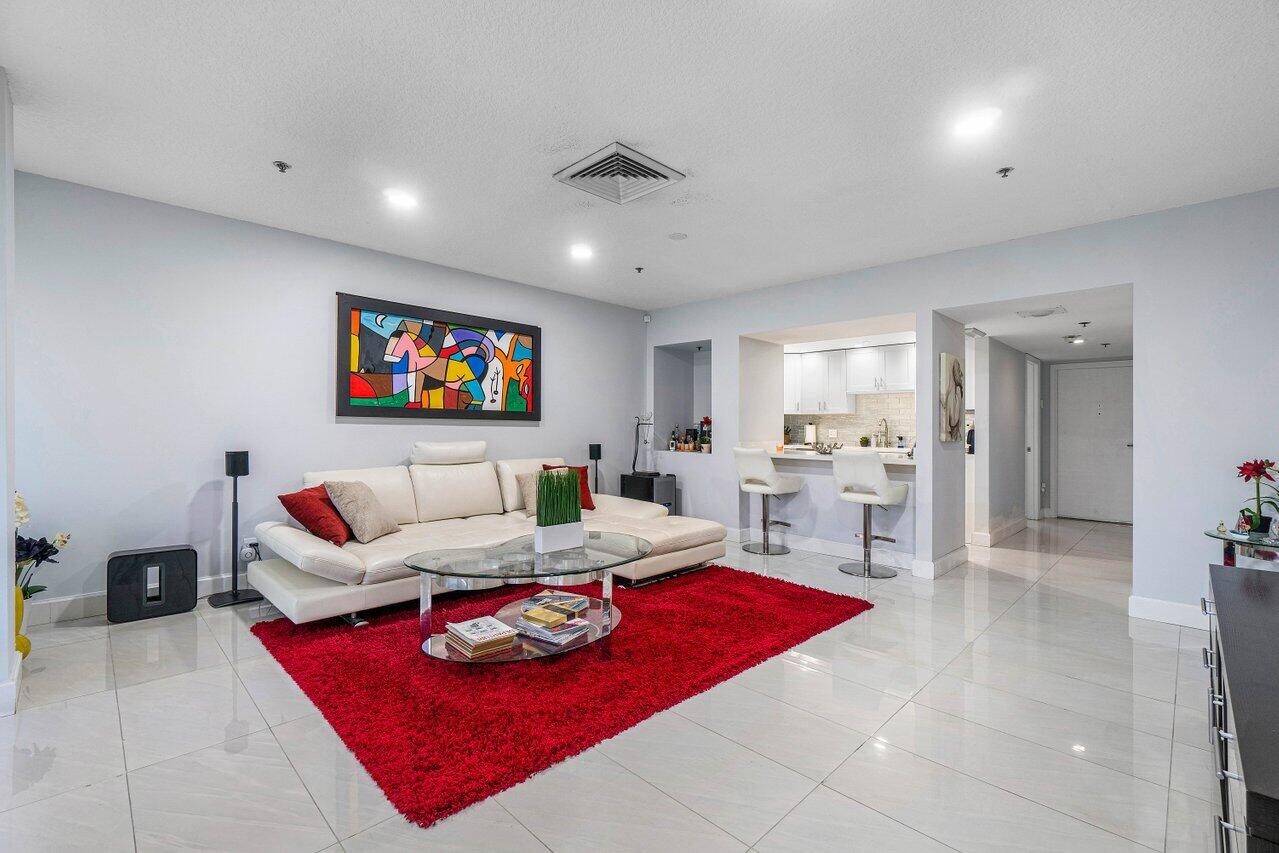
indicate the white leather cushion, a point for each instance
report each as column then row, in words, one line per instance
column 667, row 535
column 390, row 485
column 613, row 505
column 455, row 491
column 507, row 469
column 447, row 452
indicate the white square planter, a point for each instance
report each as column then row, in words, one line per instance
column 558, row 537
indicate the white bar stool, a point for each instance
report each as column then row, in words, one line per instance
column 861, row 478
column 757, row 475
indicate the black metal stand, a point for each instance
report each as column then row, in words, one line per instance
column 235, row 595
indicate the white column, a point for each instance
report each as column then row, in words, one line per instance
column 939, row 471
column 9, row 660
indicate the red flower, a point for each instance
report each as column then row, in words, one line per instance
column 1256, row 469
column 706, row 420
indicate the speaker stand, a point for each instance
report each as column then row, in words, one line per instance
column 235, row 595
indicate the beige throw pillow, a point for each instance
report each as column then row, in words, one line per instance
column 528, row 488
column 361, row 509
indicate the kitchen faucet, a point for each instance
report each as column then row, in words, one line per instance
column 882, row 432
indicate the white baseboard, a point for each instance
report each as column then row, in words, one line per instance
column 999, row 534
column 1172, row 612
column 831, row 547
column 68, row 607
column 9, row 689
column 929, row 569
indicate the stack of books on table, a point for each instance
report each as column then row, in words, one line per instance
column 478, row 638
column 554, row 617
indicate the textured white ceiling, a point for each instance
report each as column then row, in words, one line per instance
column 1107, row 310
column 815, row 134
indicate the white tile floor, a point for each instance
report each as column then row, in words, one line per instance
column 1009, row 705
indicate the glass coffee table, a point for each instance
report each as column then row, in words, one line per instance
column 515, row 562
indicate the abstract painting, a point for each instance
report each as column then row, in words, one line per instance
column 952, row 398
column 398, row 360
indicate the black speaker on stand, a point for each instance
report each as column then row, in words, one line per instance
column 237, row 466
column 594, row 452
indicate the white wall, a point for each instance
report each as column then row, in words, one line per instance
column 152, row 338
column 1198, row 275
column 1000, row 446
column 701, row 386
column 673, row 392
column 939, row 475
column 8, row 662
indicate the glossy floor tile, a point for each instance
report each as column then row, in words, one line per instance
column 1010, row 704
column 239, row 795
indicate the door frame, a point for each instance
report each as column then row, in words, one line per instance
column 1034, row 437
column 1053, row 371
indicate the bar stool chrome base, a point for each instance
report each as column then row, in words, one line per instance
column 766, row 548
column 871, row 570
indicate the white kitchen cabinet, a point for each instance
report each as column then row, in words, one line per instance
column 812, row 381
column 899, row 368
column 835, row 398
column 864, row 366
column 874, row 370
column 822, row 382
column 792, row 382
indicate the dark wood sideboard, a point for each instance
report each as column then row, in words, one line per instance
column 1242, row 661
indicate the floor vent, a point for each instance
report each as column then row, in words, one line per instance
column 619, row 174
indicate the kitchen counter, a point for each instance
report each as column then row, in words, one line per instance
column 891, row 459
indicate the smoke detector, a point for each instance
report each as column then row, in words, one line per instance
column 1041, row 312
column 619, row 174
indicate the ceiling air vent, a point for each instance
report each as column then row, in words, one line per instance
column 1042, row 312
column 619, row 174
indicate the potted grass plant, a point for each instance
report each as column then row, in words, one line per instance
column 559, row 511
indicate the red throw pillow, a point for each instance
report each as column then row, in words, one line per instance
column 313, row 509
column 587, row 501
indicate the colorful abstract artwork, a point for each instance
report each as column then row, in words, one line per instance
column 405, row 361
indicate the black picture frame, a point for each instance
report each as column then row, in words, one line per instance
column 347, row 302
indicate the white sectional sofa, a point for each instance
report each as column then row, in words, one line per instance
column 450, row 496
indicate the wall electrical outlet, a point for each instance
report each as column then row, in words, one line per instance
column 832, row 434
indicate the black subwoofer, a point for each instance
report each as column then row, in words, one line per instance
column 148, row 582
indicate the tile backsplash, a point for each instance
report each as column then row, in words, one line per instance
column 899, row 409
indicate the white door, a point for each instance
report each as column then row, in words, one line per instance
column 1034, row 406
column 812, row 382
column 792, row 377
column 898, row 375
column 1093, row 410
column 863, row 366
column 836, row 398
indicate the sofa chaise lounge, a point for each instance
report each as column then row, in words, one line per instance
column 449, row 496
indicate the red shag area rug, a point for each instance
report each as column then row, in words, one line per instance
column 438, row 736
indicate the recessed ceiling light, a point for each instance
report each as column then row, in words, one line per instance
column 978, row 122
column 399, row 199
column 580, row 252
column 1079, row 340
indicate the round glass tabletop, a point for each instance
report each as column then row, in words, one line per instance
column 517, row 559
column 1244, row 538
